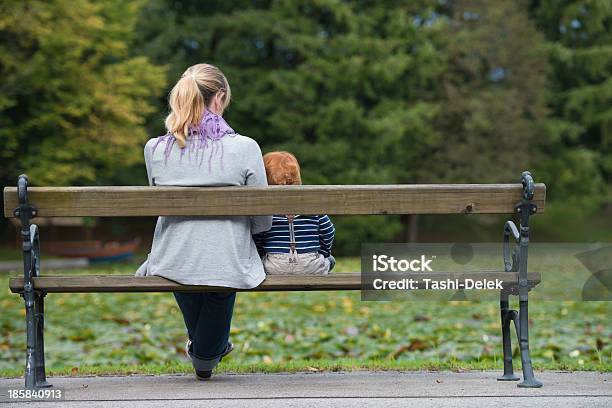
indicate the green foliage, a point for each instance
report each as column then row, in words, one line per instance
column 397, row 92
column 280, row 328
column 492, row 107
column 362, row 92
column 73, row 101
column 343, row 86
column 310, row 366
column 579, row 38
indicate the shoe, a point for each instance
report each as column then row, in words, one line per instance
column 205, row 375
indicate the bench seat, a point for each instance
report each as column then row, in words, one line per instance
column 333, row 281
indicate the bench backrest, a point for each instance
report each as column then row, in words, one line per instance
column 111, row 201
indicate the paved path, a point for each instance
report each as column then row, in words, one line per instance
column 354, row 389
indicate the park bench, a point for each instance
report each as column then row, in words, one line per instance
column 522, row 200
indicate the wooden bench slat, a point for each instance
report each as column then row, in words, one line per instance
column 323, row 199
column 334, row 281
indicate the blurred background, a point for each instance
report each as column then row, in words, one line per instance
column 362, row 92
column 461, row 91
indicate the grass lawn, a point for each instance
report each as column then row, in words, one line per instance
column 10, row 253
column 299, row 331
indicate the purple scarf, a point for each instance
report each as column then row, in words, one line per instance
column 207, row 134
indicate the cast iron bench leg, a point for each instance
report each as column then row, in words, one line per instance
column 529, row 380
column 34, row 300
column 39, row 348
column 516, row 260
column 507, row 315
column 525, row 209
column 506, row 319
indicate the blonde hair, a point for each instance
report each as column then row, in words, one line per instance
column 191, row 95
column 282, row 168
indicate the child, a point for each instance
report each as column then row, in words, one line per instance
column 296, row 244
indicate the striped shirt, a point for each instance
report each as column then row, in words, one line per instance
column 313, row 233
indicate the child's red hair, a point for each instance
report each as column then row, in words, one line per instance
column 282, row 168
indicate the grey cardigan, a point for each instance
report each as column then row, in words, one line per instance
column 216, row 251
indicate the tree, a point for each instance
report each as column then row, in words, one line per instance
column 492, row 103
column 72, row 101
column 579, row 36
column 346, row 86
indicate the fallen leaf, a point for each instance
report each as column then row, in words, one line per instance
column 415, row 345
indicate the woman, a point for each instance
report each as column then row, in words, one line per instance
column 201, row 149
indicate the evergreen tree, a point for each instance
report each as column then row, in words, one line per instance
column 73, row 102
column 492, row 106
column 579, row 35
column 348, row 87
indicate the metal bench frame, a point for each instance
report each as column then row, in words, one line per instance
column 515, row 260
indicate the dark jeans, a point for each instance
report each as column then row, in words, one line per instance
column 208, row 317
